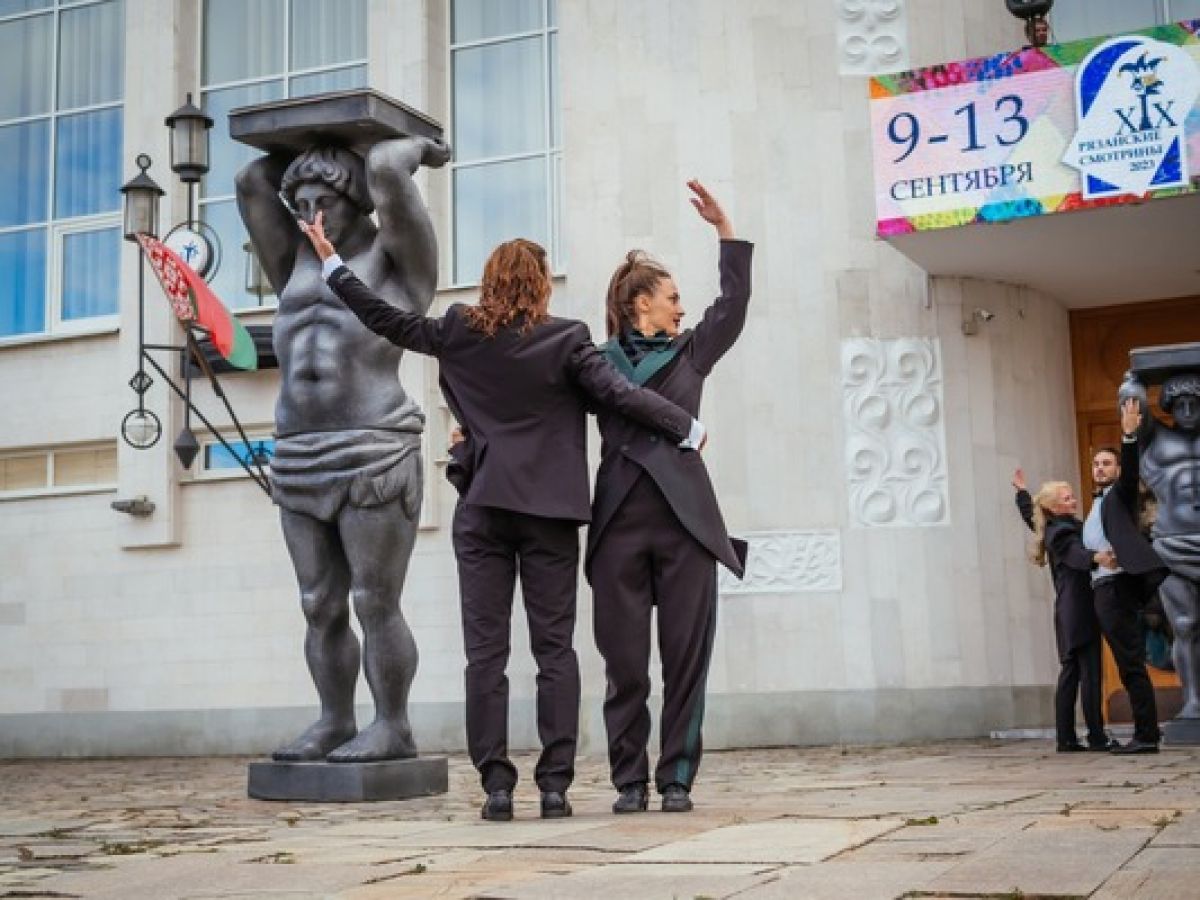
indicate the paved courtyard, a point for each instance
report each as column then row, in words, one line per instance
column 955, row 820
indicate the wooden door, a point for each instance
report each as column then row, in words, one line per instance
column 1100, row 343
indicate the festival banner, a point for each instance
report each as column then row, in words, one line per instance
column 1037, row 131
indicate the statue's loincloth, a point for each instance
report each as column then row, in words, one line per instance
column 1180, row 553
column 317, row 473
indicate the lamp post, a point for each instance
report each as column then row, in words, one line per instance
column 141, row 428
column 197, row 245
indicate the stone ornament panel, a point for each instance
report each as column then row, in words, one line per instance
column 784, row 562
column 872, row 36
column 895, row 432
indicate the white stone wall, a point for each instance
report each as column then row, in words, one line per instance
column 181, row 633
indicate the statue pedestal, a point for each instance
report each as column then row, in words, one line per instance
column 391, row 779
column 1182, row 732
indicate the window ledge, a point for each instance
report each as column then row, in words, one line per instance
column 62, row 491
column 24, row 340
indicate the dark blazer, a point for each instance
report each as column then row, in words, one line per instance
column 1119, row 516
column 628, row 449
column 1075, row 622
column 521, row 400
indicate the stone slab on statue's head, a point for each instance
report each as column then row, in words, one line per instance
column 1154, row 365
column 355, row 120
column 1177, row 368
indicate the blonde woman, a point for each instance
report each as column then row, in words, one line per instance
column 1058, row 539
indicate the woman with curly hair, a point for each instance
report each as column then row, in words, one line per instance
column 517, row 380
column 1058, row 539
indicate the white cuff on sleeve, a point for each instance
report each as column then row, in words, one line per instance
column 329, row 265
column 695, row 437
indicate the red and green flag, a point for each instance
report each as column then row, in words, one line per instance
column 194, row 303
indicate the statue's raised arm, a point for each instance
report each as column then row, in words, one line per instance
column 405, row 231
column 270, row 224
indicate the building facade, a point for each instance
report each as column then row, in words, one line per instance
column 863, row 431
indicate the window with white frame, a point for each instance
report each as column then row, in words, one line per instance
column 229, row 459
column 59, row 470
column 62, row 85
column 255, row 51
column 507, row 170
column 1075, row 19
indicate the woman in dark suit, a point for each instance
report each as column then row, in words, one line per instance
column 657, row 531
column 517, row 381
column 1058, row 539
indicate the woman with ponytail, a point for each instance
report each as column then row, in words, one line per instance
column 1058, row 540
column 657, row 532
column 517, row 380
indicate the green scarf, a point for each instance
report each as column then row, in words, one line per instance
column 657, row 353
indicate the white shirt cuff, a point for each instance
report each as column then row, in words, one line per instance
column 695, row 437
column 329, row 265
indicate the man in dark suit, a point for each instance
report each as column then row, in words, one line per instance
column 1124, row 589
column 516, row 379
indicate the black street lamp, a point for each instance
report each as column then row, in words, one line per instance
column 189, row 141
column 141, row 201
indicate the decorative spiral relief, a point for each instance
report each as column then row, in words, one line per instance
column 782, row 562
column 895, row 432
column 872, row 36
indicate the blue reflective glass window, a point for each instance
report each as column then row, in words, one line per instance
column 493, row 203
column 242, row 39
column 26, row 56
column 477, row 20
column 87, row 172
column 22, row 282
column 12, row 7
column 24, row 173
column 91, row 55
column 327, row 32
column 216, row 457
column 337, row 80
column 90, row 273
column 225, row 155
column 499, row 99
column 229, row 281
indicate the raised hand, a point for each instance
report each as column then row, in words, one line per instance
column 1131, row 415
column 1018, row 480
column 710, row 210
column 316, row 234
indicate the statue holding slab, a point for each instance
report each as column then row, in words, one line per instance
column 1170, row 466
column 347, row 471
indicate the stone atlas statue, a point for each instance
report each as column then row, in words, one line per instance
column 347, row 472
column 1170, row 466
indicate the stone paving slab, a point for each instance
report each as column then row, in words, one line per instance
column 841, row 879
column 1156, row 874
column 783, row 841
column 1059, row 855
column 639, row 882
column 787, row 822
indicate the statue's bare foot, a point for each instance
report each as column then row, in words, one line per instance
column 379, row 740
column 1189, row 711
column 316, row 742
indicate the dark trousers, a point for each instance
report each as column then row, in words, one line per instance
column 1118, row 600
column 646, row 559
column 491, row 546
column 1080, row 676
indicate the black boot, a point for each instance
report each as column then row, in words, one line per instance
column 498, row 806
column 633, row 798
